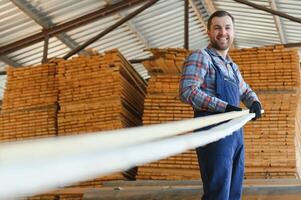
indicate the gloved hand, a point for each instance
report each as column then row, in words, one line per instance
column 256, row 108
column 230, row 108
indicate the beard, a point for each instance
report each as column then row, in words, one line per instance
column 220, row 46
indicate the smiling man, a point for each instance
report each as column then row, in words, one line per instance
column 212, row 83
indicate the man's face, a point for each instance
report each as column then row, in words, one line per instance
column 221, row 32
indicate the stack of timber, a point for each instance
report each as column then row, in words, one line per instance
column 271, row 68
column 162, row 104
column 98, row 93
column 298, row 136
column 27, row 124
column 30, row 87
column 166, row 61
column 85, row 94
column 57, row 197
column 29, row 103
column 270, row 141
column 43, row 197
column 71, row 197
column 273, row 142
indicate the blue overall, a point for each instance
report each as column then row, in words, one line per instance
column 222, row 162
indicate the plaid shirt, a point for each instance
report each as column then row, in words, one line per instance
column 197, row 85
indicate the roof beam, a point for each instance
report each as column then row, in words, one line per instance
column 292, row 45
column 186, row 24
column 70, row 25
column 274, row 12
column 137, row 32
column 111, row 28
column 9, row 61
column 278, row 23
column 45, row 22
column 133, row 29
column 197, row 12
column 209, row 7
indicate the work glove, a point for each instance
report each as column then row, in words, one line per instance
column 256, row 108
column 230, row 108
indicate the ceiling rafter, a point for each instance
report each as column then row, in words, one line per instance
column 210, row 8
column 9, row 61
column 111, row 28
column 70, row 25
column 196, row 10
column 274, row 12
column 45, row 22
column 278, row 23
column 133, row 28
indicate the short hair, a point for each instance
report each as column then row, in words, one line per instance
column 219, row 13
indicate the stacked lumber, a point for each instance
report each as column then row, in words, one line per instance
column 27, row 124
column 28, row 109
column 97, row 182
column 268, row 68
column 43, row 197
column 162, row 104
column 85, row 94
column 71, row 197
column 272, row 143
column 29, row 87
column 298, row 136
column 166, row 61
column 183, row 166
column 97, row 93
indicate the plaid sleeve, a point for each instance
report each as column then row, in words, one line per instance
column 247, row 95
column 193, row 84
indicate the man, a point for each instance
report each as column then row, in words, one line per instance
column 212, row 83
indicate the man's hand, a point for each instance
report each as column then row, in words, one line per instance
column 230, row 108
column 256, row 108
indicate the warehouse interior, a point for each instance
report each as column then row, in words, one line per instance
column 74, row 67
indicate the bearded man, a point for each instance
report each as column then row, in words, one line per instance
column 212, row 83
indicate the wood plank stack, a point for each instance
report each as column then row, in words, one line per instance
column 85, row 94
column 270, row 68
column 71, row 197
column 29, row 106
column 298, row 135
column 166, row 61
column 162, row 104
column 97, row 93
column 43, row 197
column 29, row 109
column 272, row 142
column 27, row 124
column 30, row 87
column 57, row 197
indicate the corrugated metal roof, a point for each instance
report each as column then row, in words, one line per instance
column 160, row 26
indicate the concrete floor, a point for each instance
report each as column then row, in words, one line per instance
column 257, row 189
